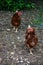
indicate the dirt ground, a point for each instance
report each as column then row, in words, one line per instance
column 12, row 45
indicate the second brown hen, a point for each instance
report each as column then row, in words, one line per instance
column 31, row 39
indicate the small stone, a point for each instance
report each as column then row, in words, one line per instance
column 21, row 61
column 12, row 53
column 14, row 58
column 18, row 38
column 28, row 62
column 8, row 29
column 17, row 60
column 26, row 59
column 12, row 42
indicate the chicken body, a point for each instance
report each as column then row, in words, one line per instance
column 16, row 20
column 31, row 39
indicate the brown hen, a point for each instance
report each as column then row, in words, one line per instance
column 16, row 20
column 31, row 38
